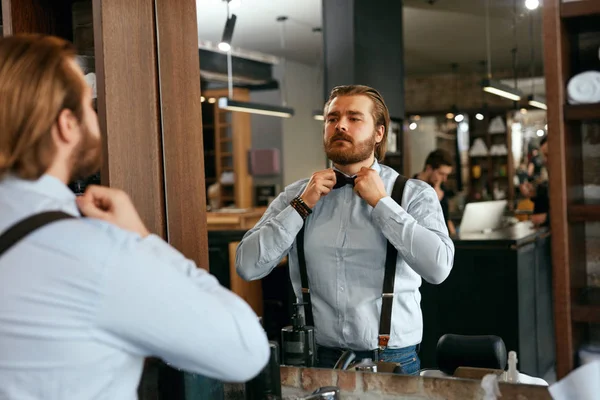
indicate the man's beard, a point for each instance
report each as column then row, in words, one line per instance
column 356, row 153
column 86, row 159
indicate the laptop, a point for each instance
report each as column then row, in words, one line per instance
column 484, row 216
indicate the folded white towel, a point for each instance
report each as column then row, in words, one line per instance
column 584, row 88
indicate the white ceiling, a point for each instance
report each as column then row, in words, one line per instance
column 449, row 31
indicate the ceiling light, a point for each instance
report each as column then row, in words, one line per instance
column 211, row 100
column 540, row 132
column 532, row 4
column 523, row 111
column 537, row 101
column 225, row 44
column 479, row 116
column 459, row 118
column 546, row 127
column 233, row 4
column 202, row 99
column 224, row 47
column 255, row 108
column 318, row 115
column 500, row 89
column 449, row 115
column 416, row 117
column 413, row 126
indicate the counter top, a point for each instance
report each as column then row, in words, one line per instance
column 517, row 234
column 233, row 219
column 298, row 382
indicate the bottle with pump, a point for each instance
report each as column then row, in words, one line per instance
column 512, row 375
column 298, row 346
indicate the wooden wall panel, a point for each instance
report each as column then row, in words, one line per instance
column 179, row 84
column 128, row 104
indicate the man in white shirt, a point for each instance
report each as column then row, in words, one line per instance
column 84, row 300
column 346, row 218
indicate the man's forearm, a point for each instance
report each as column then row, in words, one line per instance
column 267, row 243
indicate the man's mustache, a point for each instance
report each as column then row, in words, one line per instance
column 340, row 136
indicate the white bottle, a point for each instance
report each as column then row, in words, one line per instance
column 512, row 374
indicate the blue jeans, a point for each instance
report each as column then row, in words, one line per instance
column 407, row 357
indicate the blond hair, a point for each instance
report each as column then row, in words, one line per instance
column 37, row 82
column 379, row 111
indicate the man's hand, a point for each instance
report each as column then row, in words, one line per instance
column 111, row 205
column 369, row 186
column 439, row 191
column 319, row 185
column 527, row 189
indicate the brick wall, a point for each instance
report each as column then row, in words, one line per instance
column 436, row 93
column 298, row 382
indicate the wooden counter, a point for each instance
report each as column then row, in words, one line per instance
column 233, row 219
column 500, row 284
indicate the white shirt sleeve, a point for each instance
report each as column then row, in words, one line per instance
column 156, row 302
column 263, row 246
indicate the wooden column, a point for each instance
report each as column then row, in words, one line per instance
column 148, row 83
column 128, row 104
column 181, row 118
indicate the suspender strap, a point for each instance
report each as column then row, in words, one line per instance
column 387, row 296
column 388, row 280
column 308, row 314
column 26, row 226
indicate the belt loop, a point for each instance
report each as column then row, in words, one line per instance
column 376, row 355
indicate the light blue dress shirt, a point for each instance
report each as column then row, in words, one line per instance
column 345, row 247
column 82, row 303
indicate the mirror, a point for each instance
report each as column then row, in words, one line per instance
column 500, row 281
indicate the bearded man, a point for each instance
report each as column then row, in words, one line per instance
column 340, row 226
column 86, row 291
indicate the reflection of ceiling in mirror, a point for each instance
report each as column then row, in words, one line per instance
column 431, row 39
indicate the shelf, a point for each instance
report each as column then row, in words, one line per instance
column 582, row 112
column 585, row 313
column 584, row 212
column 581, row 8
column 586, row 307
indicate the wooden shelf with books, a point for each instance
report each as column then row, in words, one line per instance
column 230, row 141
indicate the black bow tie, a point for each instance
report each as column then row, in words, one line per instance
column 342, row 180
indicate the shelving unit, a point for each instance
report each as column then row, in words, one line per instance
column 227, row 139
column 571, row 37
column 495, row 169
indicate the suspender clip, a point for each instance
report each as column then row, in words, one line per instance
column 383, row 341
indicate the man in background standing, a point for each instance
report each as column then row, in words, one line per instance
column 539, row 195
column 437, row 168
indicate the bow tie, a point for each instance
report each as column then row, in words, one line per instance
column 342, row 180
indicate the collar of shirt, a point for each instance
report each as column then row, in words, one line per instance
column 48, row 186
column 374, row 166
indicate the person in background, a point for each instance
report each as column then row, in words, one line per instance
column 83, row 301
column 437, row 168
column 539, row 194
column 348, row 217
